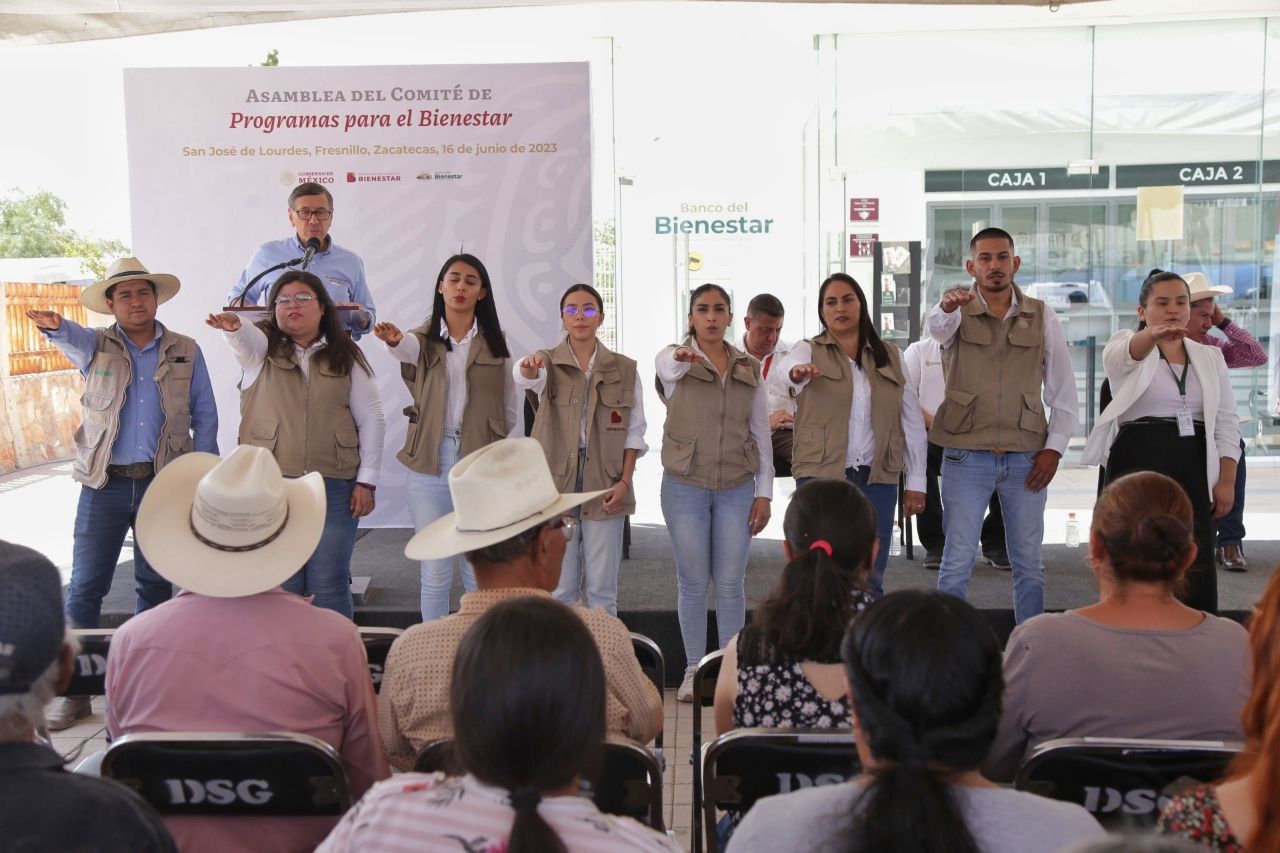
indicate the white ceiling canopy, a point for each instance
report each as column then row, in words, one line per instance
column 51, row 21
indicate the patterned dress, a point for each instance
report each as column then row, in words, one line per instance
column 1197, row 816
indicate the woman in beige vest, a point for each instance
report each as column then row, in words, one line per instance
column 856, row 416
column 458, row 371
column 717, row 481
column 308, row 395
column 590, row 422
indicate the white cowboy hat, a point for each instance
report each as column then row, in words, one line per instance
column 230, row 528
column 498, row 491
column 1202, row 289
column 94, row 297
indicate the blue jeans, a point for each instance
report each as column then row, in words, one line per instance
column 594, row 553
column 969, row 477
column 103, row 516
column 429, row 499
column 884, row 500
column 1231, row 525
column 710, row 537
column 327, row 575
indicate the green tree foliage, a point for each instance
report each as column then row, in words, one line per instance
column 272, row 60
column 33, row 225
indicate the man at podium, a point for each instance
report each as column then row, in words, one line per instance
column 341, row 270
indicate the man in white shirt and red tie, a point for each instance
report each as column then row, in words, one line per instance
column 763, row 339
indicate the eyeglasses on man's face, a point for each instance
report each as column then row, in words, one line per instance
column 306, row 213
column 566, row 525
column 302, row 300
column 587, row 311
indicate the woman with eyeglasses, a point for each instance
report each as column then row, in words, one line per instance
column 590, row 422
column 457, row 367
column 717, row 481
column 308, row 395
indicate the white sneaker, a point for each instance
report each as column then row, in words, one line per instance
column 685, row 691
column 64, row 711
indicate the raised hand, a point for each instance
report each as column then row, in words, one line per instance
column 388, row 333
column 688, row 354
column 530, row 365
column 955, row 297
column 1168, row 331
column 226, row 321
column 50, row 320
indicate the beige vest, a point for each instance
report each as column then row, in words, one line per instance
column 609, row 402
column 305, row 421
column 824, row 406
column 995, row 373
column 706, row 441
column 109, row 375
column 484, row 420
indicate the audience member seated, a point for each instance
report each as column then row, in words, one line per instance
column 527, row 694
column 511, row 523
column 783, row 670
column 1139, row 663
column 42, row 807
column 925, row 684
column 234, row 652
column 1242, row 812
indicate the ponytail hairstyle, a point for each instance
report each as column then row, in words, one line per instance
column 1145, row 523
column 486, row 309
column 693, row 297
column 527, row 701
column 925, row 677
column 339, row 353
column 1153, row 278
column 1261, row 719
column 867, row 334
column 830, row 527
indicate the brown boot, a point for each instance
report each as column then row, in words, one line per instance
column 1232, row 558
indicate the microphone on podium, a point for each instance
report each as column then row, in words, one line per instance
column 313, row 246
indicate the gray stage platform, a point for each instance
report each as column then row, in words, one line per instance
column 647, row 586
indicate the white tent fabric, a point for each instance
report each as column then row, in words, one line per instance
column 26, row 22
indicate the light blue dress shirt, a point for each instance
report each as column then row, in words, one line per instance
column 141, row 415
column 341, row 270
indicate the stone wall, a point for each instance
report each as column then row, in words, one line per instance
column 40, row 414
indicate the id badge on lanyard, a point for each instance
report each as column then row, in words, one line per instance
column 1186, row 426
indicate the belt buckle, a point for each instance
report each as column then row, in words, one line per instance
column 996, row 451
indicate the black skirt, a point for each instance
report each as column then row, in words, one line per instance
column 1154, row 445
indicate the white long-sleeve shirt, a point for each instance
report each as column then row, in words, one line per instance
column 671, row 371
column 861, row 449
column 1059, row 378
column 455, row 365
column 249, row 344
column 635, row 427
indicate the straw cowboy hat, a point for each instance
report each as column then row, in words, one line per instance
column 230, row 528
column 498, row 491
column 94, row 297
column 1202, row 289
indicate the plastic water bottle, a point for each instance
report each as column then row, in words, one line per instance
column 1073, row 531
column 895, row 541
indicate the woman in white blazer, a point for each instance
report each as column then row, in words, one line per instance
column 1172, row 412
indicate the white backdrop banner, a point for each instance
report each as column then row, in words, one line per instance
column 422, row 161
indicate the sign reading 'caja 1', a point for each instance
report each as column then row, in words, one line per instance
column 1010, row 179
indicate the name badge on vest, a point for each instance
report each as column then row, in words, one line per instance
column 1186, row 427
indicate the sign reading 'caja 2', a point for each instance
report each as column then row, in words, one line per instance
column 1203, row 174
column 1010, row 179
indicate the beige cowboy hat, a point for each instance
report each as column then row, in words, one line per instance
column 94, row 297
column 231, row 527
column 1201, row 288
column 498, row 491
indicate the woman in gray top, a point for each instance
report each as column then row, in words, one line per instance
column 925, row 684
column 1139, row 663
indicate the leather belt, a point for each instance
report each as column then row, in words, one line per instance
column 135, row 471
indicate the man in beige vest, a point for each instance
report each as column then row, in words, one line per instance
column 1005, row 357
column 147, row 399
